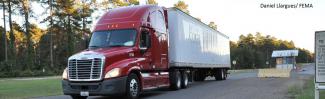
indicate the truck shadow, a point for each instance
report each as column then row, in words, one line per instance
column 161, row 91
column 143, row 95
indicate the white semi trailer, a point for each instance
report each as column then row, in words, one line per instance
column 195, row 45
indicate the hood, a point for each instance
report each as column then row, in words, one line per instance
column 108, row 52
column 101, row 53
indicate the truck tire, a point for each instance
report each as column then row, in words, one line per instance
column 225, row 74
column 132, row 87
column 184, row 80
column 199, row 76
column 175, row 80
column 220, row 74
column 78, row 97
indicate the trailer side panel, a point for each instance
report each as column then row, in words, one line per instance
column 194, row 44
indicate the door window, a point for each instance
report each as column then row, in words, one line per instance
column 145, row 41
column 158, row 21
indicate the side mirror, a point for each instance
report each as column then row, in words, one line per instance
column 148, row 41
column 145, row 42
column 143, row 49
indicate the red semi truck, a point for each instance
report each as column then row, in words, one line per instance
column 137, row 48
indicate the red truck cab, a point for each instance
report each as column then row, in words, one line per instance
column 128, row 53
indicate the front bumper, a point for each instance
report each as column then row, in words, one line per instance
column 114, row 86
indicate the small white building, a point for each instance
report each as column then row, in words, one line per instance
column 285, row 59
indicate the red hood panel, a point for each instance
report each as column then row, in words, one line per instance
column 107, row 52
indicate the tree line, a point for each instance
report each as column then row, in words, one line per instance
column 255, row 51
column 28, row 50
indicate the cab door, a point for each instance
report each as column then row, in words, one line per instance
column 162, row 38
column 159, row 46
column 149, row 78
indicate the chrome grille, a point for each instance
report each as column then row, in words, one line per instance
column 85, row 69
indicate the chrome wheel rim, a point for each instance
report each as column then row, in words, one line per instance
column 133, row 87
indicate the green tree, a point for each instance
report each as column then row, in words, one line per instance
column 2, row 48
column 4, row 33
column 26, row 10
column 69, row 22
column 109, row 4
column 182, row 6
column 213, row 25
column 254, row 51
column 304, row 56
column 12, row 45
column 49, row 19
column 133, row 2
column 36, row 34
column 152, row 2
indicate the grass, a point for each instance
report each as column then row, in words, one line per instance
column 27, row 88
column 304, row 91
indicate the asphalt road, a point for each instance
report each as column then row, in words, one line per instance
column 244, row 85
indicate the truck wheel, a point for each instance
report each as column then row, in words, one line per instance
column 184, row 83
column 132, row 87
column 175, row 80
column 220, row 74
column 224, row 74
column 78, row 97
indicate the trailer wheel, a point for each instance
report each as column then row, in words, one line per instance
column 78, row 97
column 220, row 74
column 225, row 74
column 184, row 83
column 175, row 80
column 132, row 87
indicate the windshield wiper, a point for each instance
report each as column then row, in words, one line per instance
column 93, row 46
column 116, row 45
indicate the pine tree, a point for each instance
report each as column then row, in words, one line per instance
column 182, row 6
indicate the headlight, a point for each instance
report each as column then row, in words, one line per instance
column 113, row 73
column 65, row 74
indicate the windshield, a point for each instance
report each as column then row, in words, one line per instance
column 113, row 38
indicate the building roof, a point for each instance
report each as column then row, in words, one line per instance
column 284, row 53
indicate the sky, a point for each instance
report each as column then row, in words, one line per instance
column 236, row 17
